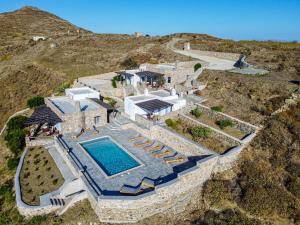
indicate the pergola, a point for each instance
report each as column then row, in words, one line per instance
column 41, row 115
column 154, row 105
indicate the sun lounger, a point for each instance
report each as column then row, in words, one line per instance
column 139, row 136
column 129, row 190
column 149, row 149
column 174, row 160
column 147, row 183
column 161, row 154
column 148, row 142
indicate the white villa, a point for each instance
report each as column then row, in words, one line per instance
column 159, row 102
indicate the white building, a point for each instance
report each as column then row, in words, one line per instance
column 134, row 77
column 39, row 38
column 81, row 93
column 154, row 103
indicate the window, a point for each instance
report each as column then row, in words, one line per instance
column 169, row 80
column 97, row 119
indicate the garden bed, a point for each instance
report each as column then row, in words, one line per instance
column 229, row 129
column 39, row 175
column 200, row 135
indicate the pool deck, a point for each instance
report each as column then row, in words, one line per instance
column 152, row 167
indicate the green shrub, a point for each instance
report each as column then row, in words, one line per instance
column 171, row 123
column 16, row 122
column 12, row 163
column 196, row 112
column 35, row 101
column 161, row 81
column 114, row 83
column 224, row 123
column 130, row 63
column 197, row 66
column 62, row 87
column 117, row 78
column 35, row 220
column 5, row 58
column 6, row 187
column 217, row 108
column 110, row 101
column 200, row 132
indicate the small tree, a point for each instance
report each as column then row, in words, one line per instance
column 16, row 122
column 197, row 66
column 35, row 101
column 15, row 140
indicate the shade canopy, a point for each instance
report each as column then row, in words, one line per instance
column 149, row 75
column 154, row 105
column 43, row 114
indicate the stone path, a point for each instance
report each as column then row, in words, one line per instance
column 214, row 63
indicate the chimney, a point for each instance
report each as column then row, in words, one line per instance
column 173, row 92
column 146, row 92
column 77, row 107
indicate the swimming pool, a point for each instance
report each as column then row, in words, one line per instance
column 111, row 158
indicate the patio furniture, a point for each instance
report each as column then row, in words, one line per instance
column 158, row 155
column 129, row 190
column 156, row 147
column 147, row 183
column 139, row 136
column 148, row 142
column 174, row 160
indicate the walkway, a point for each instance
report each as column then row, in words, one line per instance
column 214, row 63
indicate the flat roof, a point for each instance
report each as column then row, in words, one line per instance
column 67, row 105
column 141, row 98
column 81, row 90
column 153, row 105
column 160, row 93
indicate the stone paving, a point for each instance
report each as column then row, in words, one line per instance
column 152, row 167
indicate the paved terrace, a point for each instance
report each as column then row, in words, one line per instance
column 153, row 168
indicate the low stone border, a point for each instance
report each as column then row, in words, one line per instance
column 25, row 209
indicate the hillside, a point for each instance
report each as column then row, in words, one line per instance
column 24, row 63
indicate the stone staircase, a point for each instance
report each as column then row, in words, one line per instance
column 114, row 126
column 57, row 201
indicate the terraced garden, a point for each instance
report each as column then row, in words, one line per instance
column 226, row 125
column 39, row 175
column 201, row 135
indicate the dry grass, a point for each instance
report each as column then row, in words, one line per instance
column 39, row 175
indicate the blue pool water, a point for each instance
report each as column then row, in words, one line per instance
column 109, row 156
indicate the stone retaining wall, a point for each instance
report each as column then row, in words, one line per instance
column 38, row 141
column 175, row 196
column 24, row 209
